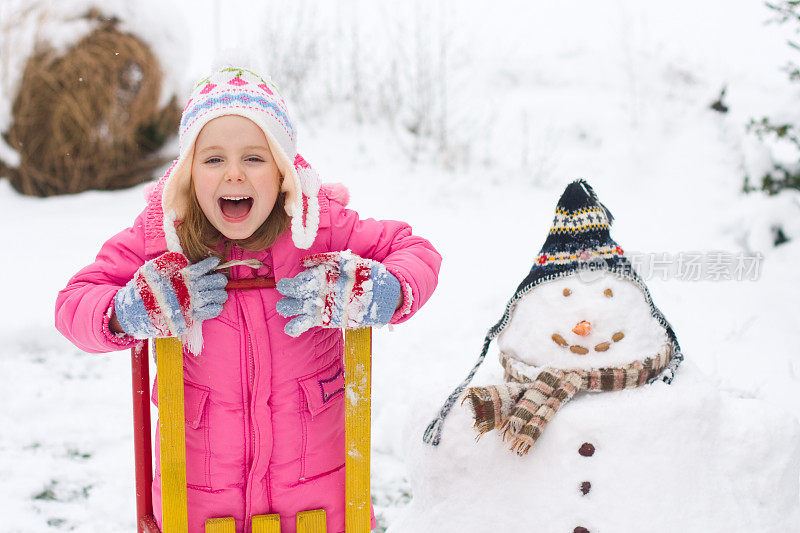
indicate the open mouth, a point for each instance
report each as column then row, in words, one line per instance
column 235, row 208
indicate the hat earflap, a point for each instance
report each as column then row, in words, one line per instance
column 305, row 210
column 433, row 433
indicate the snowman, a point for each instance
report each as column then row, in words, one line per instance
column 600, row 426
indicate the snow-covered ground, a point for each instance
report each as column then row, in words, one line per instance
column 616, row 92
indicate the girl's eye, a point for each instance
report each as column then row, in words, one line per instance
column 213, row 160
column 255, row 159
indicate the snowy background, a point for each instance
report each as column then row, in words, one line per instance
column 468, row 124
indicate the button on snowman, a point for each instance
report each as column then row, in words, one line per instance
column 612, row 431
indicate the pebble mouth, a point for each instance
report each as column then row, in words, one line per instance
column 235, row 207
column 582, row 350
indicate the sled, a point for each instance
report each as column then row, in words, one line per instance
column 169, row 364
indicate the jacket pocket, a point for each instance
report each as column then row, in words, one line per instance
column 322, row 419
column 198, row 437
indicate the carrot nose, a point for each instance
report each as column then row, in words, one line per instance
column 582, row 328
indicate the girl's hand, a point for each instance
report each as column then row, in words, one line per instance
column 167, row 295
column 338, row 290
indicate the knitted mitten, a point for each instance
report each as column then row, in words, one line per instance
column 338, row 290
column 167, row 295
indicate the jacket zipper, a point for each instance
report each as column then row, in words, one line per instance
column 250, row 394
column 251, row 374
column 251, row 459
column 268, row 260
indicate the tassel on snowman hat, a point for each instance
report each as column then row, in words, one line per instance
column 579, row 239
column 236, row 90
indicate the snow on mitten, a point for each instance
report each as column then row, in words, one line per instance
column 167, row 295
column 338, row 290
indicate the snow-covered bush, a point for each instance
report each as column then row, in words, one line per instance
column 396, row 63
column 782, row 137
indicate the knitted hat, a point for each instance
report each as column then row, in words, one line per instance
column 238, row 91
column 579, row 241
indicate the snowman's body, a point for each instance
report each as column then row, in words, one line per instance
column 679, row 458
column 672, row 458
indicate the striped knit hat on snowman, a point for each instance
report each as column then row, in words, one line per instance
column 238, row 91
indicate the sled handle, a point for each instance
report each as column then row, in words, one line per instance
column 143, row 454
column 358, row 402
column 172, row 435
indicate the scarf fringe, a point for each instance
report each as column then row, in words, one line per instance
column 520, row 447
column 491, row 406
column 482, row 409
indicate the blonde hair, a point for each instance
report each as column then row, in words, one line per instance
column 200, row 239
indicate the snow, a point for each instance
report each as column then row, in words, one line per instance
column 634, row 473
column 546, row 311
column 548, row 92
column 755, row 227
column 352, row 396
column 8, row 155
column 680, row 457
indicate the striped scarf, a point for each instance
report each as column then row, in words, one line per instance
column 522, row 407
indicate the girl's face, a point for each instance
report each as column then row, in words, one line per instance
column 236, row 179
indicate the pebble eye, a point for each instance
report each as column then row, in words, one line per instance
column 609, row 293
column 567, row 292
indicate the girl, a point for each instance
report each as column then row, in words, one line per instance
column 264, row 394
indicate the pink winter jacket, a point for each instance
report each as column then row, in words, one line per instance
column 264, row 411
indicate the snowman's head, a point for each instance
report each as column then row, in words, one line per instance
column 584, row 320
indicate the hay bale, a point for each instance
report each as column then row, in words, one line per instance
column 89, row 119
